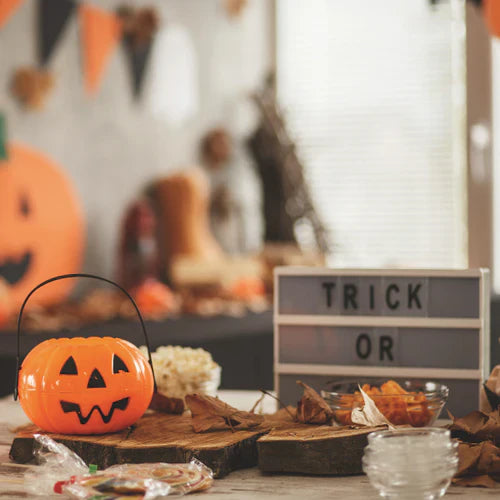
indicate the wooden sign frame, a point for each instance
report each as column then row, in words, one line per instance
column 481, row 323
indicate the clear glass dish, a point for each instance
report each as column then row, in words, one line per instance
column 419, row 408
column 411, row 463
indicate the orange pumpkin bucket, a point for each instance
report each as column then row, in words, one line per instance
column 92, row 385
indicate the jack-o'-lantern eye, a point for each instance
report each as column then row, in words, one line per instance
column 24, row 206
column 119, row 365
column 96, row 381
column 69, row 367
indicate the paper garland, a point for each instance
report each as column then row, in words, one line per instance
column 138, row 57
column 53, row 15
column 173, row 93
column 101, row 32
column 7, row 8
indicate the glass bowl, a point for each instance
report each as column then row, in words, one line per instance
column 419, row 407
column 410, row 463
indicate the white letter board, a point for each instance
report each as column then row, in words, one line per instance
column 332, row 324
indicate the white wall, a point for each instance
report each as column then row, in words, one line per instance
column 109, row 144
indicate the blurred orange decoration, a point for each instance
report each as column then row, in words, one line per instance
column 182, row 202
column 234, row 8
column 492, row 16
column 7, row 9
column 101, row 32
column 5, row 309
column 247, row 289
column 42, row 230
column 154, row 299
column 31, row 86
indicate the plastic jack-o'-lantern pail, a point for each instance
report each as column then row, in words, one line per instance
column 81, row 385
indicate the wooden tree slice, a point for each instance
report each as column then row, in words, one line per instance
column 157, row 438
column 308, row 449
column 278, row 445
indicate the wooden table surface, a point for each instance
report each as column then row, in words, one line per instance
column 240, row 485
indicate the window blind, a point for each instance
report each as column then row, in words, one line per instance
column 374, row 95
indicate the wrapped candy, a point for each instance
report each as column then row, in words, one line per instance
column 63, row 471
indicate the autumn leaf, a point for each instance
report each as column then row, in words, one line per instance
column 478, row 465
column 369, row 415
column 477, row 426
column 312, row 408
column 483, row 481
column 165, row 404
column 284, row 415
column 479, row 454
column 209, row 413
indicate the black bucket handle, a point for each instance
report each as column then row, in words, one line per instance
column 76, row 275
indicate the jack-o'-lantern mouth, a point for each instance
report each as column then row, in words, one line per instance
column 12, row 270
column 68, row 407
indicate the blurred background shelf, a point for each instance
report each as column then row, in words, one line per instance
column 243, row 346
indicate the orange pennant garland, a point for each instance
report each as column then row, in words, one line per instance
column 491, row 9
column 101, row 32
column 7, row 8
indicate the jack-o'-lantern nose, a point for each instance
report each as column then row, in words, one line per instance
column 95, row 380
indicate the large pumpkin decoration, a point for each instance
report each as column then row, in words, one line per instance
column 5, row 308
column 85, row 385
column 41, row 225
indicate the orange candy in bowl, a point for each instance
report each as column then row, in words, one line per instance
column 411, row 403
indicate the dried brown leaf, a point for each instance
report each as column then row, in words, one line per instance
column 209, row 413
column 287, row 414
column 490, row 392
column 165, row 404
column 477, row 426
column 369, row 415
column 483, row 481
column 312, row 408
column 476, row 463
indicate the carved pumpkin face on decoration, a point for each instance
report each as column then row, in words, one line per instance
column 41, row 226
column 85, row 385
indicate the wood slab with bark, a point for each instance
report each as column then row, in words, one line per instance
column 284, row 445
column 156, row 438
column 310, row 449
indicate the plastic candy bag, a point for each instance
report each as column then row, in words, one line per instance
column 55, row 461
column 63, row 471
column 107, row 486
column 182, row 478
column 140, row 481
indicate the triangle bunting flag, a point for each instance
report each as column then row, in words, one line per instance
column 137, row 57
column 7, row 8
column 53, row 16
column 100, row 33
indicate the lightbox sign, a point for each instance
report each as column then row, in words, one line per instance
column 369, row 324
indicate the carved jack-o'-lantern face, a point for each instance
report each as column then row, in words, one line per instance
column 85, row 386
column 41, row 226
